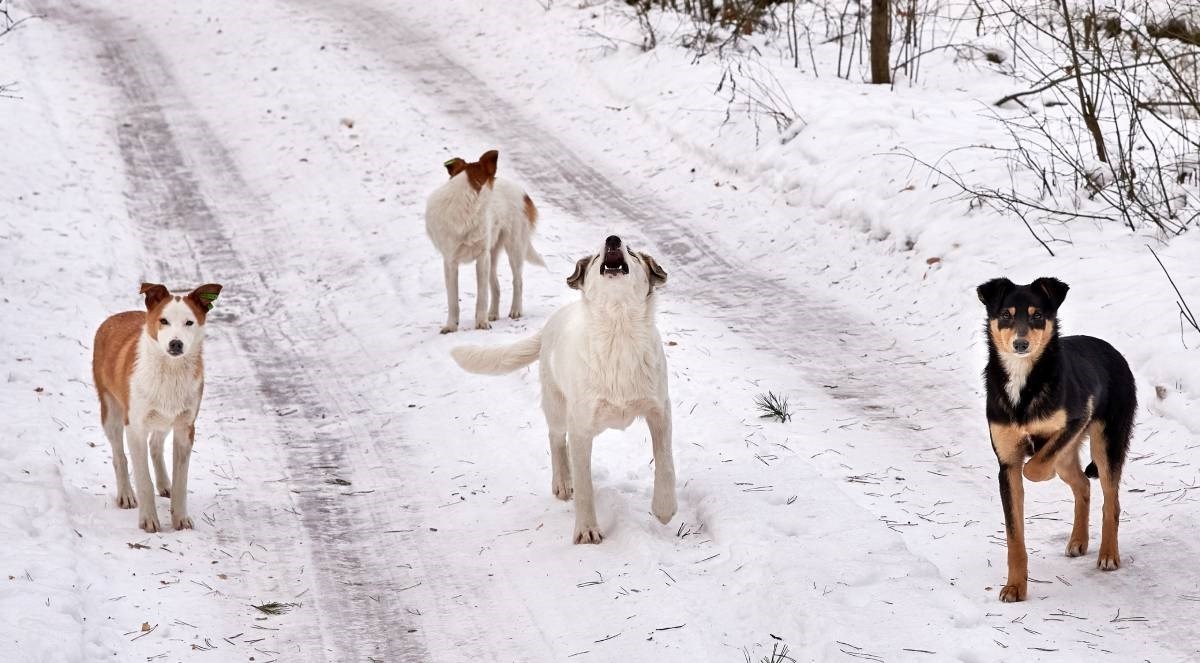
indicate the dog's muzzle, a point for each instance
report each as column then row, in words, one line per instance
column 175, row 348
column 614, row 257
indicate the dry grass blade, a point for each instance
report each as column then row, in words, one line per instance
column 773, row 406
column 275, row 608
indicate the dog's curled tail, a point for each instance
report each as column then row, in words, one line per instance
column 498, row 360
column 532, row 256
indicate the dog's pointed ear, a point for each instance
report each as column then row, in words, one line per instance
column 993, row 291
column 1056, row 290
column 575, row 280
column 205, row 295
column 455, row 165
column 155, row 294
column 488, row 161
column 654, row 271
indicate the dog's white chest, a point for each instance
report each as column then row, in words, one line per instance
column 160, row 393
column 1017, row 369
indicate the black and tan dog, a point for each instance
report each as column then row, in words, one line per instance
column 1045, row 394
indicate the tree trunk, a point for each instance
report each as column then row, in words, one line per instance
column 881, row 41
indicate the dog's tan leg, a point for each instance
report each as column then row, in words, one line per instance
column 663, row 504
column 113, row 417
column 1110, row 480
column 160, row 468
column 450, row 270
column 147, row 514
column 586, row 529
column 183, row 437
column 1012, row 496
column 1070, row 472
column 483, row 268
column 494, row 283
column 516, row 263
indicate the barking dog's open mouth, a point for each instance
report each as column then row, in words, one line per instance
column 614, row 263
column 614, row 257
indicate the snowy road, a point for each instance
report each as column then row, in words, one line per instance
column 343, row 464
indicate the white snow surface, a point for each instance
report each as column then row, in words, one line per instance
column 343, row 463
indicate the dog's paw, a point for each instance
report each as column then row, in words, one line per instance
column 179, row 523
column 149, row 522
column 449, row 329
column 588, row 534
column 125, row 498
column 165, row 491
column 663, row 507
column 494, row 316
column 515, row 314
column 1038, row 471
column 1077, row 548
column 1109, row 561
column 1013, row 593
column 562, row 489
column 483, row 324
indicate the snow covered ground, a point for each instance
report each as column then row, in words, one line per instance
column 344, row 464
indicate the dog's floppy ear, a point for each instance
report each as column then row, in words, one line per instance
column 455, row 165
column 488, row 161
column 993, row 291
column 656, row 273
column 1056, row 290
column 205, row 295
column 155, row 294
column 575, row 280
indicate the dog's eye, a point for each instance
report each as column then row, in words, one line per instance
column 189, row 323
column 1036, row 317
column 164, row 322
column 1006, row 316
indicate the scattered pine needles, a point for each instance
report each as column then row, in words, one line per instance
column 772, row 406
column 275, row 608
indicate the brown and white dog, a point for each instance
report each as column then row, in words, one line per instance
column 470, row 218
column 150, row 378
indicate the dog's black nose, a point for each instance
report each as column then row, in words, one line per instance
column 175, row 347
column 1021, row 345
column 613, row 242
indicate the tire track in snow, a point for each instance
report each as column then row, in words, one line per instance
column 187, row 235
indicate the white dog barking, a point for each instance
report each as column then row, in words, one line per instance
column 470, row 218
column 602, row 366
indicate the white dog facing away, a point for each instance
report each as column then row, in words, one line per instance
column 149, row 376
column 470, row 218
column 602, row 366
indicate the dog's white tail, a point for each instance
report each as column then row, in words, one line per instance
column 497, row 360
column 531, row 255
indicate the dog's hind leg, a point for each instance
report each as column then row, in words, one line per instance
column 1110, row 479
column 483, row 268
column 160, row 468
column 181, row 453
column 112, row 415
column 554, row 406
column 663, row 504
column 147, row 517
column 450, row 270
column 494, row 283
column 516, row 262
column 586, row 529
column 1070, row 472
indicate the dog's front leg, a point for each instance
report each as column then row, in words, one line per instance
column 181, row 453
column 1041, row 466
column 450, row 270
column 160, row 468
column 663, row 504
column 483, row 268
column 586, row 529
column 139, row 453
column 1012, row 496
